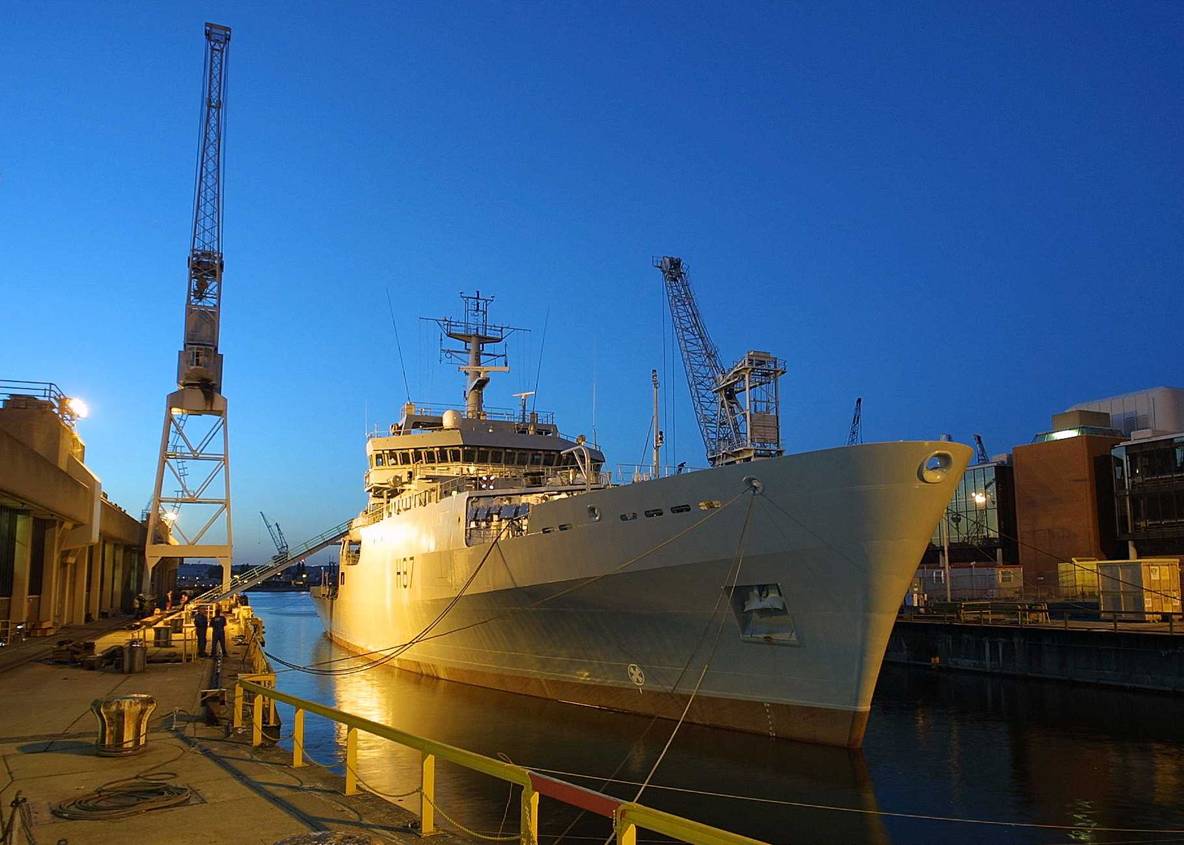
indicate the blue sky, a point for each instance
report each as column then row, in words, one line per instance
column 969, row 214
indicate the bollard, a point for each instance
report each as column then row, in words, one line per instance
column 123, row 724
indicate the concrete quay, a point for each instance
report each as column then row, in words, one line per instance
column 1133, row 656
column 238, row 793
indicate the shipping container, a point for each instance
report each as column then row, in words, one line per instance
column 1078, row 579
column 1143, row 589
column 988, row 581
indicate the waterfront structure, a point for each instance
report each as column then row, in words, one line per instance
column 1149, row 479
column 1151, row 412
column 1065, row 496
column 495, row 550
column 67, row 553
column 980, row 519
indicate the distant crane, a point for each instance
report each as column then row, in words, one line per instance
column 981, row 450
column 738, row 409
column 195, row 430
column 856, row 433
column 277, row 537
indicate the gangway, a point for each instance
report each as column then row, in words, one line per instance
column 260, row 573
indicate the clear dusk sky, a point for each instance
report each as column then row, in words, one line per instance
column 970, row 214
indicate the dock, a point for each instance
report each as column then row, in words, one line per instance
column 1028, row 640
column 237, row 793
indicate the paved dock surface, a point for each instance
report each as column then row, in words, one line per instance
column 238, row 793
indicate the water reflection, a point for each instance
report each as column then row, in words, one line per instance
column 938, row 744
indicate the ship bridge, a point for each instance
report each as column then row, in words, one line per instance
column 430, row 445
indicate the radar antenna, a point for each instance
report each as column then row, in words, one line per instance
column 474, row 331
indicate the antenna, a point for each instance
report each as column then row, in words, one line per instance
column 523, row 397
column 475, row 332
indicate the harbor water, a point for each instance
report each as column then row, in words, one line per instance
column 949, row 757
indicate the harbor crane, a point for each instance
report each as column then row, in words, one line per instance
column 980, row 450
column 738, row 409
column 277, row 537
column 855, row 435
column 194, row 520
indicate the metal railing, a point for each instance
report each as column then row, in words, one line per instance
column 1039, row 614
column 626, row 816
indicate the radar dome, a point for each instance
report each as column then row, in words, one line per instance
column 451, row 419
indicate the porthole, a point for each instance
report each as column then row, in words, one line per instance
column 652, row 512
column 628, row 517
column 594, row 513
column 565, row 526
column 681, row 509
column 709, row 504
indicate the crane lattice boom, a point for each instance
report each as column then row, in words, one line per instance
column 856, row 434
column 738, row 409
column 200, row 364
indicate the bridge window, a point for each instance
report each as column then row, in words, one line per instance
column 454, row 455
column 495, row 456
column 482, row 456
column 536, row 459
column 470, row 455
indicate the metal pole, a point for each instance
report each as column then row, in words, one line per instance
column 657, row 430
column 945, row 550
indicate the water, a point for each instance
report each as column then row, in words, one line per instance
column 939, row 744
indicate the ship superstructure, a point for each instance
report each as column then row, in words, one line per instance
column 496, row 551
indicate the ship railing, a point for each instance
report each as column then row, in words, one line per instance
column 501, row 414
column 626, row 816
column 634, row 473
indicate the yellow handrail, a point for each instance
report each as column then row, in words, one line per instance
column 627, row 816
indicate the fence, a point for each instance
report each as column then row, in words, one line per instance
column 626, row 816
column 1039, row 614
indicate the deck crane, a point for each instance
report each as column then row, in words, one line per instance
column 738, row 409
column 980, row 450
column 195, row 444
column 856, row 434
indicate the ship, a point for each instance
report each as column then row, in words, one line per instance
column 757, row 594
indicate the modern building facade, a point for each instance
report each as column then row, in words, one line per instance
column 980, row 519
column 1158, row 410
column 1149, row 479
column 67, row 553
column 1064, row 486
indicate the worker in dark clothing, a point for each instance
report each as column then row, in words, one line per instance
column 201, row 623
column 218, row 634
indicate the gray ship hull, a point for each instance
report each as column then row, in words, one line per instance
column 618, row 597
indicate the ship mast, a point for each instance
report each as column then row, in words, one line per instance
column 474, row 332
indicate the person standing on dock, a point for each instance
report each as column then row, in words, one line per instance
column 201, row 623
column 218, row 634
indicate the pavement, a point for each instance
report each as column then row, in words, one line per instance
column 238, row 794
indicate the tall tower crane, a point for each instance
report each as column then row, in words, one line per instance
column 738, row 409
column 190, row 512
column 855, row 435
